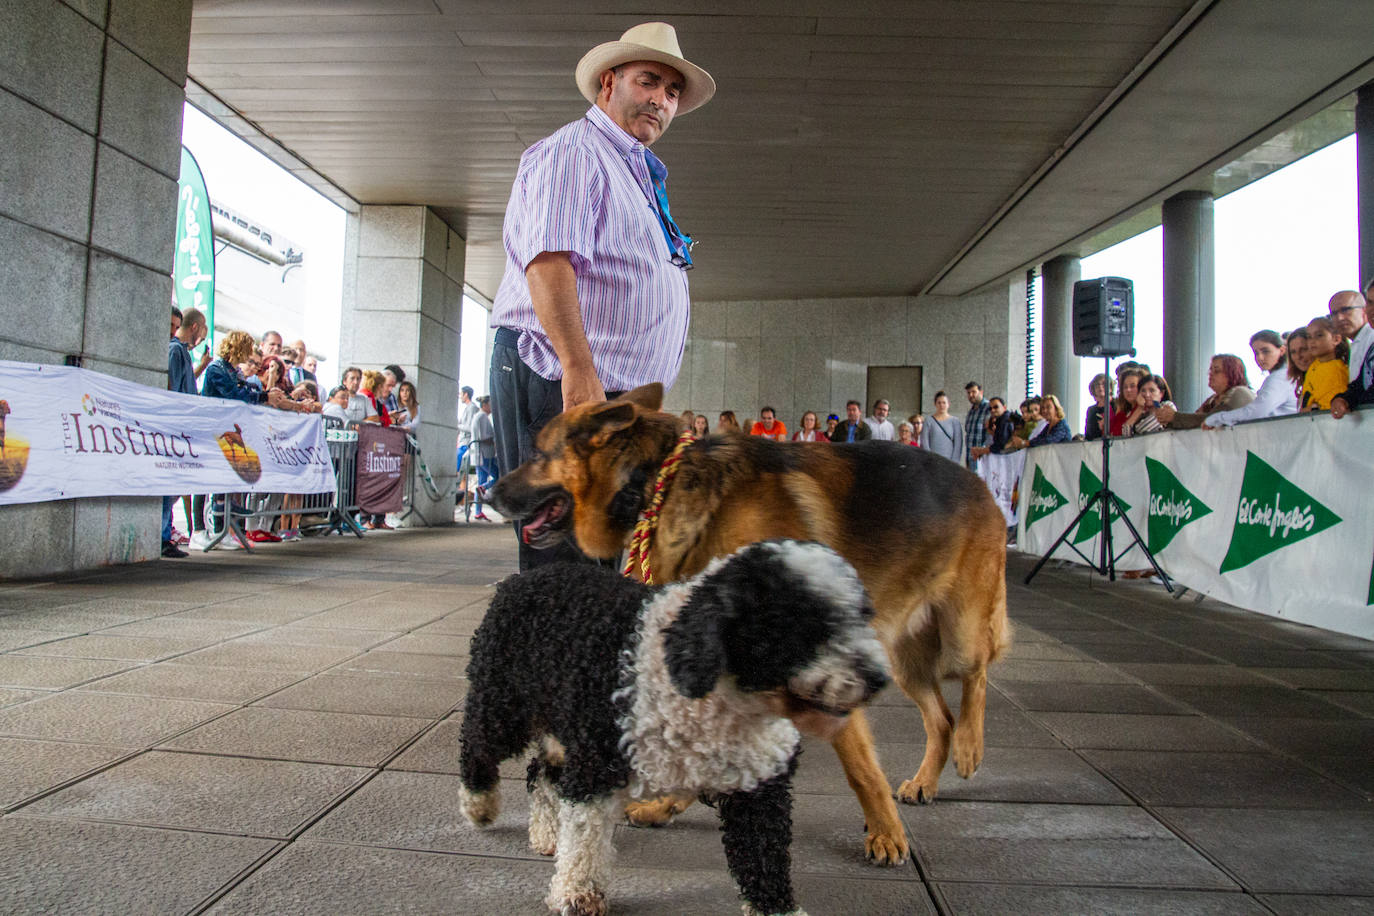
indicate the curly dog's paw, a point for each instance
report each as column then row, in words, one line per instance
column 481, row 808
column 586, row 903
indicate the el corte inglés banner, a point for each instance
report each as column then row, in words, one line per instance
column 1276, row 516
column 67, row 432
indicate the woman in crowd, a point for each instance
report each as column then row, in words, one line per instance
column 831, row 423
column 943, row 433
column 1275, row 397
column 727, row 423
column 808, row 431
column 1124, row 402
column 904, row 434
column 1329, row 373
column 1056, row 427
column 222, row 378
column 1230, row 390
column 918, row 423
column 374, row 391
column 1101, row 389
column 701, row 426
column 1298, row 361
column 1152, row 393
column 408, row 417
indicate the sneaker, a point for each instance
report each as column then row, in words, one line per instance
column 200, row 540
column 289, row 534
column 480, row 517
column 178, row 538
column 171, row 551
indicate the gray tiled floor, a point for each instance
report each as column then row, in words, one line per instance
column 278, row 733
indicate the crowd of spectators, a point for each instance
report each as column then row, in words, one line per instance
column 265, row 371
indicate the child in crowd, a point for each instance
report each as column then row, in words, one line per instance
column 727, row 423
column 1152, row 392
column 1298, row 361
column 1125, row 401
column 1329, row 375
column 701, row 426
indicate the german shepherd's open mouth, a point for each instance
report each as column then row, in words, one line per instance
column 548, row 518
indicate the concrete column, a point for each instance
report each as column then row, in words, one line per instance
column 402, row 304
column 1058, row 365
column 1189, row 295
column 90, row 109
column 1364, row 174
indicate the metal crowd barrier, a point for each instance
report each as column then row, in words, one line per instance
column 333, row 512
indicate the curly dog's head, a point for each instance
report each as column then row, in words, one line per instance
column 783, row 618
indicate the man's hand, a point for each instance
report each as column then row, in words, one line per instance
column 275, row 398
column 553, row 292
column 581, row 387
column 206, row 359
column 1339, row 407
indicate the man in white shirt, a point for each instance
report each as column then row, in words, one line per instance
column 1347, row 313
column 879, row 423
column 358, row 406
column 467, row 412
column 337, row 405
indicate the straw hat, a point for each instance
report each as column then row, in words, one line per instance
column 656, row 41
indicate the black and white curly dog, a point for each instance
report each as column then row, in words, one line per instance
column 623, row 691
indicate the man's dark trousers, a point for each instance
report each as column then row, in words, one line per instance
column 522, row 403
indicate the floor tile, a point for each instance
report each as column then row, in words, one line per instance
column 54, row 673
column 135, row 648
column 67, row 867
column 427, row 698
column 1000, row 899
column 1055, row 844
column 202, row 792
column 1312, row 852
column 195, row 682
column 1163, row 733
column 98, row 718
column 1220, row 780
column 32, row 766
column 1130, row 699
column 273, row 656
column 294, row 734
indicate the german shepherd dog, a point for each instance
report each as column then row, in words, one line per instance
column 924, row 534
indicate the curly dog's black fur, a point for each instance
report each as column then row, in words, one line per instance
column 559, row 656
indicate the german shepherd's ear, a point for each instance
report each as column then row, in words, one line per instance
column 694, row 643
column 609, row 419
column 649, row 396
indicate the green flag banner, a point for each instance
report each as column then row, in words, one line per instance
column 1172, row 506
column 193, row 276
column 1275, row 516
column 1044, row 499
column 1091, row 525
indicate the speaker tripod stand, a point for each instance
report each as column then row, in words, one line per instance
column 1106, row 502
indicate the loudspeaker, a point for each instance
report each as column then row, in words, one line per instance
column 1103, row 317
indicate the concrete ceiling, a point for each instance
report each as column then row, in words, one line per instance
column 864, row 148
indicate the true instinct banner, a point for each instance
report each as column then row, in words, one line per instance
column 1276, row 516
column 67, row 432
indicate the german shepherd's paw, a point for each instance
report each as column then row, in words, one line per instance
column 888, row 850
column 968, row 753
column 586, row 903
column 917, row 791
column 657, row 812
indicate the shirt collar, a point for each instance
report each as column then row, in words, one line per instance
column 623, row 143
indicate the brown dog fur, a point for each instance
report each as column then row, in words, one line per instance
column 924, row 534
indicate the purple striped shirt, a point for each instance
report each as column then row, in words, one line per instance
column 586, row 190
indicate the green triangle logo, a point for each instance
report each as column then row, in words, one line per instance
column 1045, row 499
column 1273, row 513
column 1172, row 507
column 1371, row 586
column 1091, row 524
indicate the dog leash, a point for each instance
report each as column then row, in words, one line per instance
column 643, row 539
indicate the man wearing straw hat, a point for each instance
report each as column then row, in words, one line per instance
column 594, row 299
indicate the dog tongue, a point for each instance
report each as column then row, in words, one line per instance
column 534, row 525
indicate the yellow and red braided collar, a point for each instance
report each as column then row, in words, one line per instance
column 637, row 566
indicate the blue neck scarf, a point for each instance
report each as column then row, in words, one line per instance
column 679, row 242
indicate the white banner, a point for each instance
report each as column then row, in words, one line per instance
column 1275, row 516
column 1002, row 474
column 67, row 432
